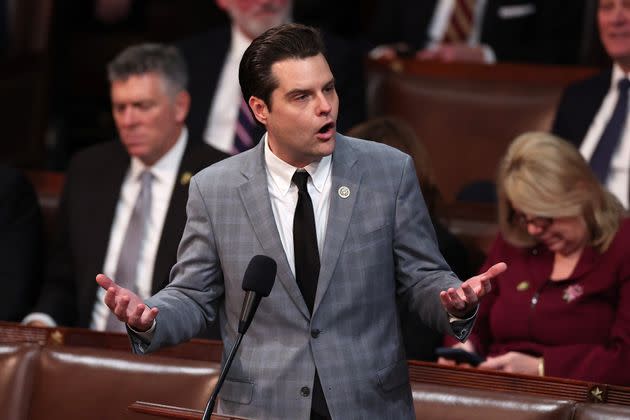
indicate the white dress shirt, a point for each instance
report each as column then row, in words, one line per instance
column 284, row 195
column 164, row 173
column 219, row 131
column 618, row 177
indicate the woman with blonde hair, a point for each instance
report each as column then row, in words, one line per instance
column 562, row 308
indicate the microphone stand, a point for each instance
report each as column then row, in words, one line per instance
column 215, row 393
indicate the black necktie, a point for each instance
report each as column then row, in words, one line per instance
column 307, row 270
column 600, row 161
column 305, row 242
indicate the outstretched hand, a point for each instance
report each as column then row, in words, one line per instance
column 126, row 305
column 462, row 301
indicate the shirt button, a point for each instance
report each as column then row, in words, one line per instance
column 315, row 333
column 305, row 391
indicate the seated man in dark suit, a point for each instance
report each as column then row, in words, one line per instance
column 21, row 245
column 213, row 60
column 487, row 31
column 123, row 205
column 593, row 114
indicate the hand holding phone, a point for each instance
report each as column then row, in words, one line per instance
column 459, row 355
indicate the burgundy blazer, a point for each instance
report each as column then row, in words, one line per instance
column 581, row 326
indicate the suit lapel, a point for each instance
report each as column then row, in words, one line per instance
column 593, row 97
column 173, row 225
column 340, row 212
column 195, row 157
column 255, row 196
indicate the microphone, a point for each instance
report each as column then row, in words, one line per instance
column 257, row 282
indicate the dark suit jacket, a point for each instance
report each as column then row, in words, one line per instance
column 549, row 35
column 579, row 105
column 21, row 245
column 86, row 213
column 206, row 53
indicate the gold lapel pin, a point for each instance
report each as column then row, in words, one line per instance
column 185, row 178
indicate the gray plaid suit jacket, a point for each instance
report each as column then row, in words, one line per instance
column 379, row 244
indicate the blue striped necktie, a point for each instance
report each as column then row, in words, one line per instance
column 244, row 129
column 603, row 154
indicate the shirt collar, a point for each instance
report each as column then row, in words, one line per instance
column 281, row 172
column 617, row 75
column 238, row 43
column 167, row 164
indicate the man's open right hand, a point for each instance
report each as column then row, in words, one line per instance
column 126, row 305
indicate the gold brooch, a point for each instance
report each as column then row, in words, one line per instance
column 522, row 286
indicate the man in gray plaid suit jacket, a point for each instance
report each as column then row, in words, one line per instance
column 374, row 236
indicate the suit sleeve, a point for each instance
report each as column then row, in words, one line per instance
column 20, row 246
column 481, row 335
column 190, row 302
column 421, row 271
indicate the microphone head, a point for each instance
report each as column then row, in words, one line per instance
column 260, row 275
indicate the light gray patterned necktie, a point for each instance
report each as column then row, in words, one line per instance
column 127, row 267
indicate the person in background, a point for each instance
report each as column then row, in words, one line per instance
column 481, row 31
column 420, row 340
column 344, row 221
column 123, row 205
column 593, row 114
column 21, row 245
column 218, row 113
column 396, row 132
column 561, row 309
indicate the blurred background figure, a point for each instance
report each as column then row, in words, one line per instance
column 218, row 114
column 594, row 115
column 123, row 208
column 482, row 31
column 561, row 307
column 420, row 341
column 21, row 245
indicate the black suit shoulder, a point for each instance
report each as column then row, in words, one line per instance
column 199, row 155
column 193, row 45
column 578, row 106
column 98, row 157
column 204, row 55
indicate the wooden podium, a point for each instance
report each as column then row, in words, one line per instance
column 169, row 412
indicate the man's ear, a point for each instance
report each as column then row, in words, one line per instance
column 222, row 4
column 182, row 105
column 260, row 109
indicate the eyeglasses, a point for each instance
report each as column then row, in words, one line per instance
column 523, row 221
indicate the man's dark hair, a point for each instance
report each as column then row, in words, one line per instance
column 164, row 60
column 288, row 41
